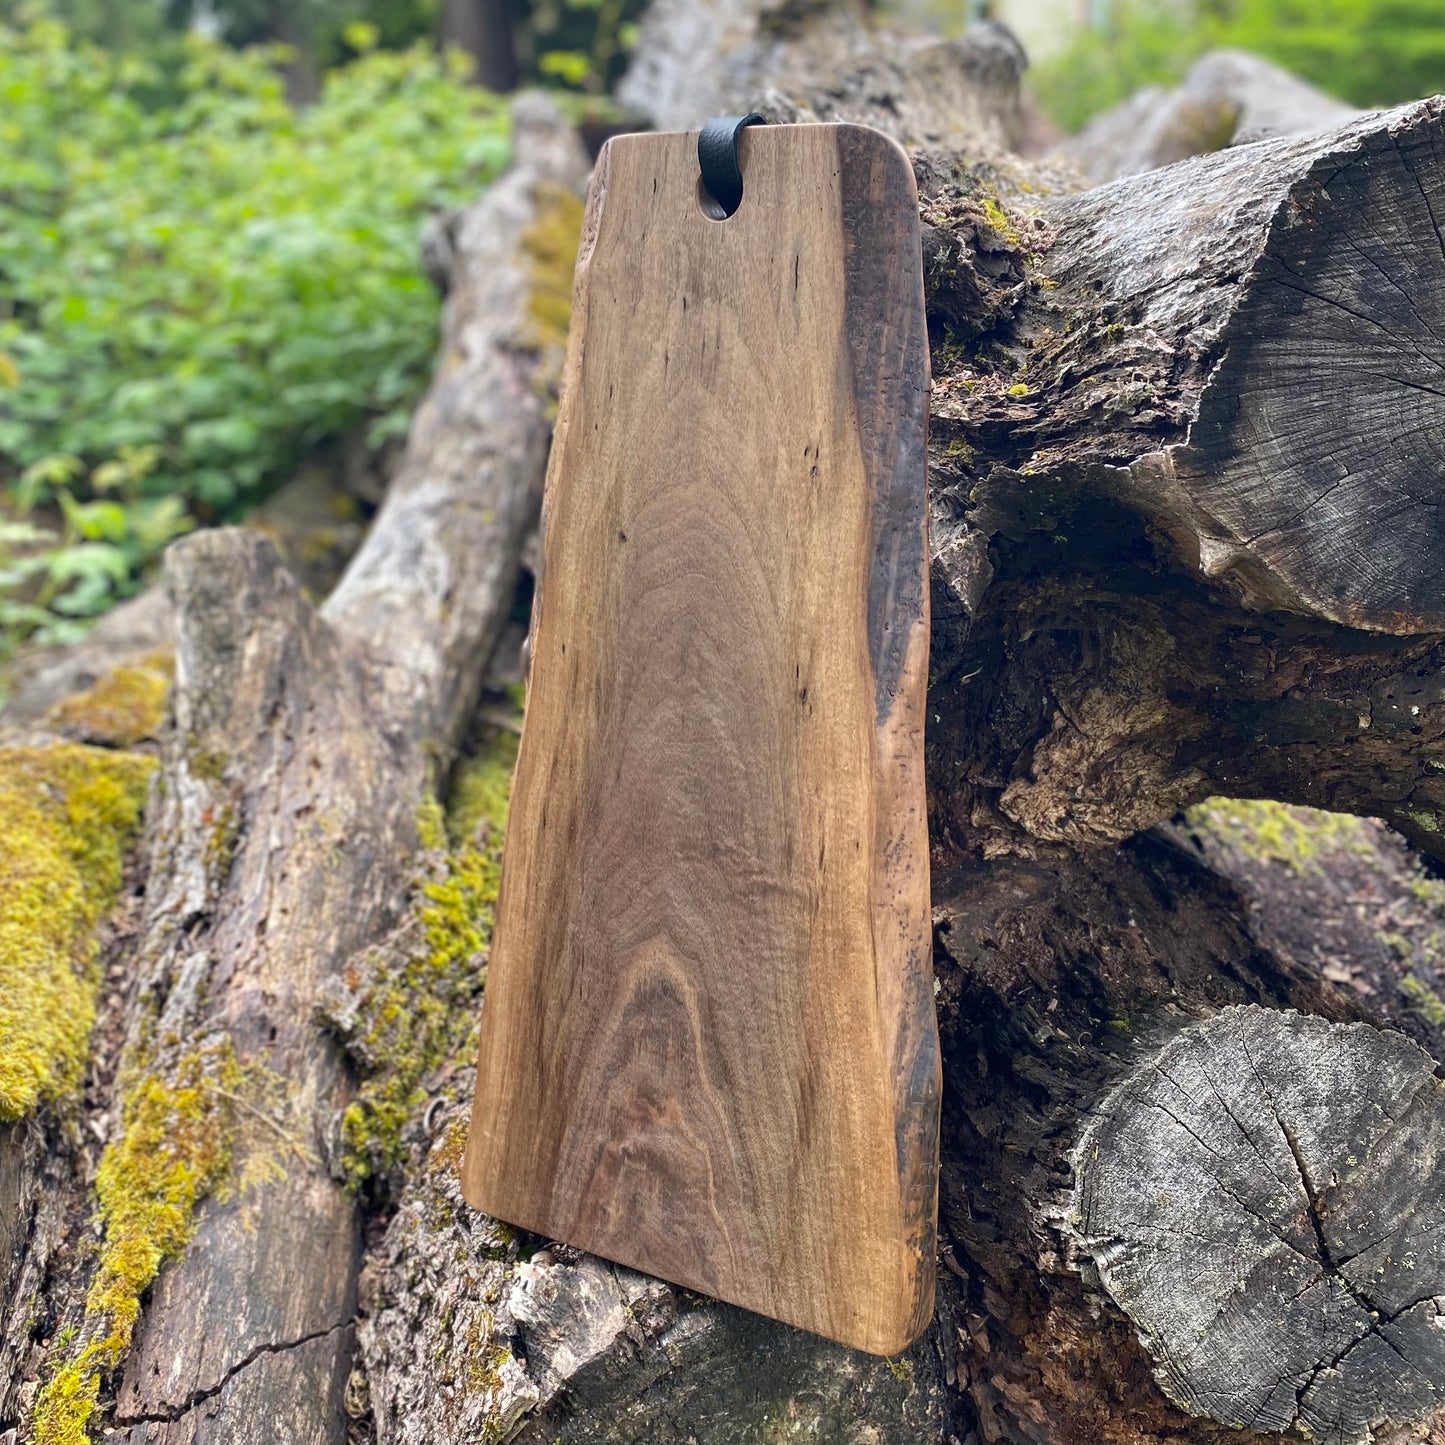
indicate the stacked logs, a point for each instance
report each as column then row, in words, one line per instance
column 1186, row 543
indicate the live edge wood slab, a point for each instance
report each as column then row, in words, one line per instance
column 708, row 1046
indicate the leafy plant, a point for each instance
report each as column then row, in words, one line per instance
column 51, row 580
column 575, row 44
column 1371, row 52
column 193, row 293
column 583, row 43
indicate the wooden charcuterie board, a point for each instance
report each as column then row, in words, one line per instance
column 708, row 1044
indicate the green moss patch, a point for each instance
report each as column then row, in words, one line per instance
column 1424, row 1000
column 412, row 1005
column 1280, row 832
column 174, row 1149
column 127, row 705
column 67, row 813
column 550, row 246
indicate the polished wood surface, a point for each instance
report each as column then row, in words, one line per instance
column 708, row 1041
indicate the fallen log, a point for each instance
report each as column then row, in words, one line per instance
column 1229, row 97
column 1264, row 1176
column 1209, row 393
column 819, row 63
column 295, row 776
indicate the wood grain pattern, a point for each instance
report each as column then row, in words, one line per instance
column 708, row 1045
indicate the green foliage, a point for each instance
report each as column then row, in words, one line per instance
column 194, row 292
column 582, row 44
column 1371, row 52
column 52, row 580
column 574, row 44
column 323, row 27
column 121, row 24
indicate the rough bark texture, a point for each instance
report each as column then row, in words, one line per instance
column 1228, row 98
column 1058, row 983
column 37, row 1198
column 1186, row 542
column 432, row 584
column 1173, row 454
column 276, row 859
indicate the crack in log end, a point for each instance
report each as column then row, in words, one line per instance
column 1263, row 1198
column 1317, row 448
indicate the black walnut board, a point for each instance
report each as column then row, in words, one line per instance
column 708, row 1045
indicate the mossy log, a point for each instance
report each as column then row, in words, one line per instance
column 285, row 839
column 303, row 748
column 1184, row 544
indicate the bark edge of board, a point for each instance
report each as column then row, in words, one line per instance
column 800, row 1153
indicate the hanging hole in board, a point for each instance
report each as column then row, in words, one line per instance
column 708, row 204
column 720, row 172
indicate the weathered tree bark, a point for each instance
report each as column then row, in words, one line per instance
column 1228, row 98
column 1213, row 395
column 1186, row 542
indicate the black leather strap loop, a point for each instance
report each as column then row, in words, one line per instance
column 717, row 158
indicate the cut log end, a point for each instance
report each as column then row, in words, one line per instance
column 1319, row 446
column 1263, row 1197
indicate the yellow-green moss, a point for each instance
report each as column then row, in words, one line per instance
column 481, row 788
column 1280, row 832
column 67, row 813
column 550, row 246
column 1423, row 1000
column 1423, row 819
column 418, row 1009
column 173, row 1150
column 125, row 707
column 1000, row 220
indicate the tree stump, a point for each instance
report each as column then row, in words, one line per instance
column 1263, row 1197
